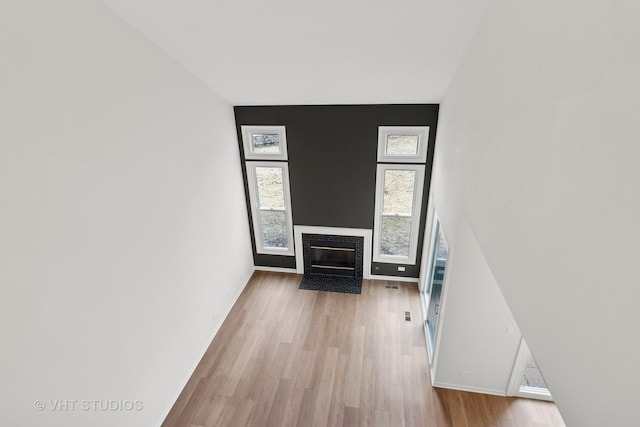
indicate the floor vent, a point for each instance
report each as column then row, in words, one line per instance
column 407, row 316
column 391, row 286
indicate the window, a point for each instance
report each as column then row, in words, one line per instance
column 433, row 290
column 398, row 203
column 268, row 181
column 399, row 185
column 264, row 142
column 403, row 144
column 271, row 207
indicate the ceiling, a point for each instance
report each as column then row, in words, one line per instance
column 254, row 52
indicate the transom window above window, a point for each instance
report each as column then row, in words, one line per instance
column 403, row 144
column 264, row 142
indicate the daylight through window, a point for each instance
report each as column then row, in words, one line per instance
column 271, row 207
column 399, row 186
column 265, row 151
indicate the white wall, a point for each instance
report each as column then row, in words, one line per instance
column 479, row 338
column 538, row 156
column 123, row 227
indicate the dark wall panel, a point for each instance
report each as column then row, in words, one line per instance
column 332, row 163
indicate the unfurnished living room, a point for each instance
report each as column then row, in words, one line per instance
column 356, row 213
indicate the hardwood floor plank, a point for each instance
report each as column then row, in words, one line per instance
column 279, row 405
column 368, row 393
column 308, row 407
column 325, row 388
column 292, row 410
column 291, row 357
column 211, row 413
column 473, row 407
column 264, row 393
column 236, row 412
column 351, row 417
column 457, row 411
column 383, row 419
column 354, row 372
column 336, row 413
column 397, row 413
column 436, row 409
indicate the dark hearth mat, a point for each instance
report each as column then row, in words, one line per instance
column 321, row 282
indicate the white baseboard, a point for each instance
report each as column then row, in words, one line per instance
column 275, row 269
column 470, row 389
column 394, row 278
column 372, row 277
column 244, row 281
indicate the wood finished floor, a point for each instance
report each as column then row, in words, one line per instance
column 290, row 357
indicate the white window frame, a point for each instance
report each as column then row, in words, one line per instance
column 515, row 382
column 249, row 154
column 422, row 132
column 255, row 208
column 415, row 214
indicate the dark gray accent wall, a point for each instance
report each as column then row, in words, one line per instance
column 332, row 164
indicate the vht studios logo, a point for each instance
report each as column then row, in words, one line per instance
column 103, row 405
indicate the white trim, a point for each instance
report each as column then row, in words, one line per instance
column 424, row 311
column 471, row 389
column 535, row 395
column 298, row 230
column 253, row 196
column 394, row 278
column 422, row 132
column 515, row 382
column 427, row 245
column 415, row 214
column 518, row 369
column 172, row 402
column 275, row 269
column 249, row 154
column 443, row 302
column 428, row 277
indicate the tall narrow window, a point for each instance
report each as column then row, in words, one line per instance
column 268, row 181
column 399, row 186
column 271, row 207
column 398, row 203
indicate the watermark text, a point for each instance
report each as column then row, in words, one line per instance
column 95, row 405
